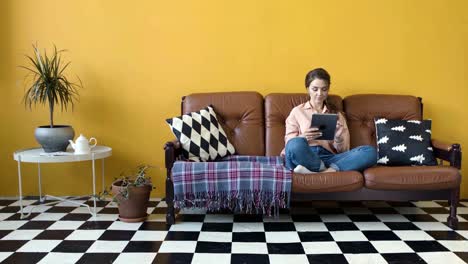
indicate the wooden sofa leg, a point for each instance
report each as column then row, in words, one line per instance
column 452, row 219
column 170, row 215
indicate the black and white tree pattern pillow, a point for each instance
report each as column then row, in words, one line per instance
column 201, row 136
column 404, row 142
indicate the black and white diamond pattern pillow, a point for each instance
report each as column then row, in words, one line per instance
column 201, row 136
column 404, row 142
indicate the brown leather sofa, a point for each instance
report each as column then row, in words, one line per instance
column 255, row 125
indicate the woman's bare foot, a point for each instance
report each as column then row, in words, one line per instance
column 302, row 170
column 329, row 170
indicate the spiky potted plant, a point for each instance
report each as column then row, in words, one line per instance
column 49, row 86
column 132, row 192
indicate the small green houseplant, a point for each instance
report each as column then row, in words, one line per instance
column 132, row 191
column 49, row 86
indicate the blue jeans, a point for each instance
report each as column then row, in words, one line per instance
column 298, row 152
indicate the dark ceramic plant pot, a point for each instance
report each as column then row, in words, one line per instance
column 134, row 208
column 53, row 139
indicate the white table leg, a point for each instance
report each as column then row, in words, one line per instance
column 94, row 183
column 40, row 181
column 102, row 172
column 68, row 200
column 20, row 187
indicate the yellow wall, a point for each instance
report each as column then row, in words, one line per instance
column 137, row 59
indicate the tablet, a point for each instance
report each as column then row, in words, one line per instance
column 326, row 123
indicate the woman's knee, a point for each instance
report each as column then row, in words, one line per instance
column 368, row 153
column 296, row 144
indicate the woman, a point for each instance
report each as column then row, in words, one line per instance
column 305, row 154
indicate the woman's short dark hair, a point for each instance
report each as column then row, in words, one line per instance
column 318, row 73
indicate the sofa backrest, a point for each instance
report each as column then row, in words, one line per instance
column 256, row 126
column 363, row 108
column 240, row 114
column 277, row 108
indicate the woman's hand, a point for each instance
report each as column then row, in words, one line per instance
column 338, row 134
column 312, row 133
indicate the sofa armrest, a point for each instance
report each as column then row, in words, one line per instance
column 448, row 152
column 441, row 145
column 172, row 150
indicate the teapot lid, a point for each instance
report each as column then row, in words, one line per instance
column 81, row 137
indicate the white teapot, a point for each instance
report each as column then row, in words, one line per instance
column 81, row 145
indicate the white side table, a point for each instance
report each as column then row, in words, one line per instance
column 33, row 155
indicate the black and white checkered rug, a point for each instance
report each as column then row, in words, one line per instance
column 314, row 232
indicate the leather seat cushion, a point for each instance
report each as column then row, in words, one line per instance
column 327, row 182
column 412, row 178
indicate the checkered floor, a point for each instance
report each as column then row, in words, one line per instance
column 314, row 232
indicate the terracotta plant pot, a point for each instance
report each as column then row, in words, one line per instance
column 134, row 208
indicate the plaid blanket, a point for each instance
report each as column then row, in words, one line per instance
column 239, row 183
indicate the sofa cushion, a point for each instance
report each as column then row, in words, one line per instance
column 239, row 113
column 362, row 109
column 404, row 142
column 277, row 109
column 342, row 181
column 201, row 136
column 412, row 178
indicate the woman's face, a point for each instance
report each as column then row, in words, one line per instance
column 318, row 90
